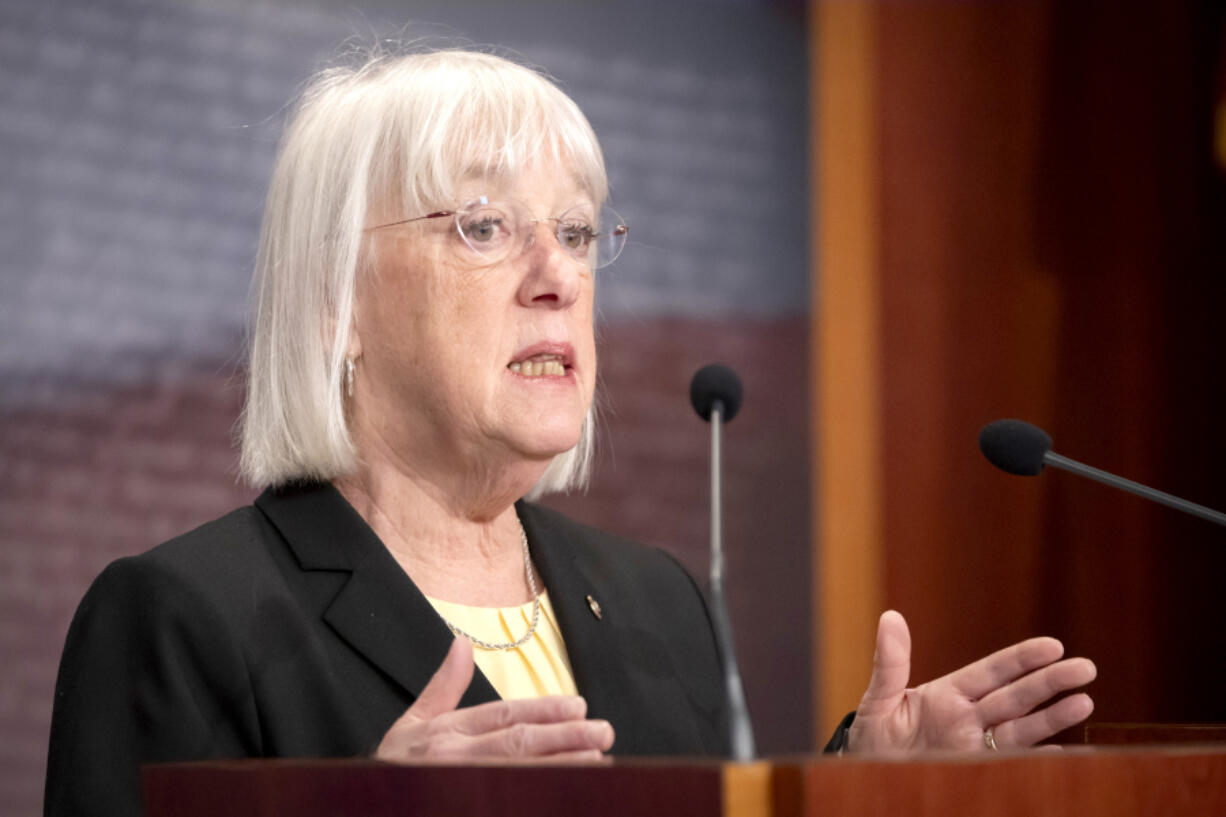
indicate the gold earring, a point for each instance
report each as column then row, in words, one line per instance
column 349, row 376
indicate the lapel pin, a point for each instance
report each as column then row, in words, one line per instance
column 594, row 606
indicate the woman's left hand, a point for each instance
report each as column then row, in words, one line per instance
column 1000, row 693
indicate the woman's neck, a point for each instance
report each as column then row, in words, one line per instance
column 463, row 548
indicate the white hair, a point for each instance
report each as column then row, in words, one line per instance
column 405, row 129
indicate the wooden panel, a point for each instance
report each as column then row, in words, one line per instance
column 362, row 788
column 847, row 463
column 970, row 320
column 1077, row 783
column 1050, row 247
column 1134, row 734
column 746, row 789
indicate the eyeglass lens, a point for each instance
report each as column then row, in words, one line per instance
column 492, row 228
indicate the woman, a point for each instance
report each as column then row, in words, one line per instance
column 422, row 360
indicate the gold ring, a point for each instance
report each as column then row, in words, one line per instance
column 989, row 738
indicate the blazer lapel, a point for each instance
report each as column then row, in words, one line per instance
column 379, row 612
column 589, row 641
column 622, row 671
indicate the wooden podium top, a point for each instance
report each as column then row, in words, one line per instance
column 367, row 788
column 1079, row 782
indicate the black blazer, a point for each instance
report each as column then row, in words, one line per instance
column 286, row 629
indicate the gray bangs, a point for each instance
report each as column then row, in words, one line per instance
column 484, row 121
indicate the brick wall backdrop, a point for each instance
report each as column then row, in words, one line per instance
column 135, row 143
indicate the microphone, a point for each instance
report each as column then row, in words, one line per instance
column 712, row 384
column 715, row 393
column 1023, row 449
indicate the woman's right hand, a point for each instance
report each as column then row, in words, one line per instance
column 552, row 728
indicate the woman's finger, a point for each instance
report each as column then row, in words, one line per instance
column 583, row 756
column 1020, row 697
column 586, row 756
column 440, row 696
column 1041, row 725
column 496, row 715
column 447, row 685
column 977, row 680
column 526, row 740
column 891, row 666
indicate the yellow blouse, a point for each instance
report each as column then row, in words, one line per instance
column 540, row 666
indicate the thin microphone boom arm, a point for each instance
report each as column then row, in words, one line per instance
column 1059, row 461
column 1020, row 448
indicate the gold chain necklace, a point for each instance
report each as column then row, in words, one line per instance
column 536, row 606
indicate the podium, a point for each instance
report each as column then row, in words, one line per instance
column 1167, row 781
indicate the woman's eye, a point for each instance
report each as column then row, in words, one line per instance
column 482, row 229
column 575, row 236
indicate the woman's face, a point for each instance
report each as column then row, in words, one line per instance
column 441, row 335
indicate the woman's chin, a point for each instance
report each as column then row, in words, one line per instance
column 545, row 442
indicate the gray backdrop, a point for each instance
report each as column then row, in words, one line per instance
column 135, row 144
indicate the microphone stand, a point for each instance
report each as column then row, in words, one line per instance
column 740, row 729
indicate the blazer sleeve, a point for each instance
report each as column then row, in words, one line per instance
column 838, row 741
column 709, row 686
column 148, row 674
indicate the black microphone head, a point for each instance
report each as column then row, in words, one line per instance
column 715, row 382
column 1015, row 446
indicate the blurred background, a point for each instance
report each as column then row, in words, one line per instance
column 136, row 140
column 1021, row 212
column 898, row 221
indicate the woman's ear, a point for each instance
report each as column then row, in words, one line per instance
column 353, row 351
column 353, row 348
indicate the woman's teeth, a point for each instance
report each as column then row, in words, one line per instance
column 539, row 368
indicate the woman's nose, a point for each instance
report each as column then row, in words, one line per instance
column 552, row 277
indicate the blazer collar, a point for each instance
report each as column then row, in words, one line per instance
column 379, row 612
